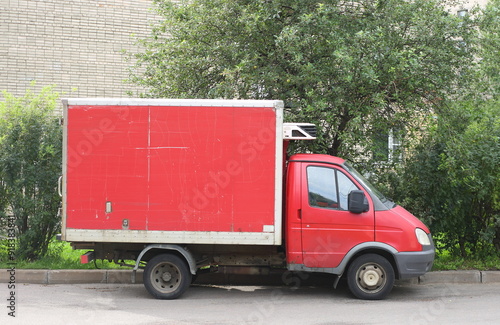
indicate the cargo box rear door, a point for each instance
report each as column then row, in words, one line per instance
column 107, row 167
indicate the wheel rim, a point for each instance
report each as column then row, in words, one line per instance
column 371, row 278
column 166, row 277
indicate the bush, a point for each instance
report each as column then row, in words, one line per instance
column 30, row 163
column 453, row 179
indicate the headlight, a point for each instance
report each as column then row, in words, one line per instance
column 422, row 237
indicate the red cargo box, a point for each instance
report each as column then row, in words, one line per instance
column 172, row 171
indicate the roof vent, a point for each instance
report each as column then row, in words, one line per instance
column 299, row 131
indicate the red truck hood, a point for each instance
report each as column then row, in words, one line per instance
column 410, row 218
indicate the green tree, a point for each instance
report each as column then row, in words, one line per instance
column 489, row 42
column 355, row 68
column 452, row 179
column 30, row 162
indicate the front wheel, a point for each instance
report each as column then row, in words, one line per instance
column 370, row 277
column 166, row 276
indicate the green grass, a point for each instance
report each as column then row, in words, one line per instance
column 60, row 256
column 445, row 261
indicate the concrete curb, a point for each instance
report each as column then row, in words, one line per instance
column 274, row 278
column 68, row 276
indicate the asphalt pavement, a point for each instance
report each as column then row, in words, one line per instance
column 120, row 304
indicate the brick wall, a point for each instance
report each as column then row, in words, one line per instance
column 70, row 43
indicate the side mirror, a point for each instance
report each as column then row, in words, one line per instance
column 357, row 202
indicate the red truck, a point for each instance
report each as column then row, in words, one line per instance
column 180, row 185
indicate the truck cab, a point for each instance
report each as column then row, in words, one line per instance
column 337, row 222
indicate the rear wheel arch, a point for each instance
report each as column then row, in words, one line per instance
column 153, row 250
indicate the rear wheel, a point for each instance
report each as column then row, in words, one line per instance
column 371, row 277
column 166, row 276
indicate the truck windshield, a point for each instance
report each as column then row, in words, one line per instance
column 369, row 187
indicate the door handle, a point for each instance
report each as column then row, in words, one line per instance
column 59, row 186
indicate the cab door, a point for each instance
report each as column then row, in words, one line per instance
column 329, row 230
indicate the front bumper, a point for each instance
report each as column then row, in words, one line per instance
column 413, row 264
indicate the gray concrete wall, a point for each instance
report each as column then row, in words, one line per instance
column 70, row 43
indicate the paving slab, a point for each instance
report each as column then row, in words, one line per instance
column 76, row 276
column 490, row 276
column 32, row 276
column 24, row 276
column 123, row 276
column 451, row 277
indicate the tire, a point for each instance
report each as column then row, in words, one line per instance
column 370, row 277
column 166, row 276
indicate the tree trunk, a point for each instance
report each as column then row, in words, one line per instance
column 496, row 240
column 461, row 244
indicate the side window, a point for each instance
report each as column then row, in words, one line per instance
column 322, row 187
column 328, row 188
column 345, row 186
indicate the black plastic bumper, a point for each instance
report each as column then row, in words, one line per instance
column 413, row 264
